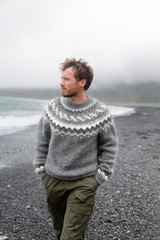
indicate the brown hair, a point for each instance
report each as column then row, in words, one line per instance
column 81, row 70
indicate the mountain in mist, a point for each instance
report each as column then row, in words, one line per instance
column 130, row 93
column 119, row 93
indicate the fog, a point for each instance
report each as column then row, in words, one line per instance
column 119, row 39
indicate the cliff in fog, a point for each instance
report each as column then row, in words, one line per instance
column 119, row 93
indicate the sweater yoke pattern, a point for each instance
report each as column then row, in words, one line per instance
column 77, row 119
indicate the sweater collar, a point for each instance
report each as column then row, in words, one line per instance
column 80, row 105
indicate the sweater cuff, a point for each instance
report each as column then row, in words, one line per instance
column 101, row 177
column 41, row 171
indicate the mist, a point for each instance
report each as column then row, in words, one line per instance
column 119, row 39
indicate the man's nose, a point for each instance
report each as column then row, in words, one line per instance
column 62, row 83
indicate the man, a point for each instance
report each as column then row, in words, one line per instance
column 75, row 152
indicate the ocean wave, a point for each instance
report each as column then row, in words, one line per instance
column 121, row 111
column 12, row 124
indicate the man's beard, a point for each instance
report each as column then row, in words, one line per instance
column 69, row 95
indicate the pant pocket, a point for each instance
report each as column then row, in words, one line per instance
column 80, row 210
column 76, row 221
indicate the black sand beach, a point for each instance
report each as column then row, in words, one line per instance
column 127, row 207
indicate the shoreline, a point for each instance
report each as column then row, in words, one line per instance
column 127, row 207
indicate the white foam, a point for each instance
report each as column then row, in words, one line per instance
column 12, row 124
column 120, row 111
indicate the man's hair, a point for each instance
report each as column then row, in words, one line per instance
column 81, row 70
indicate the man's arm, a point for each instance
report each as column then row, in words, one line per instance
column 107, row 151
column 43, row 139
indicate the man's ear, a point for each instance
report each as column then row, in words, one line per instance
column 83, row 82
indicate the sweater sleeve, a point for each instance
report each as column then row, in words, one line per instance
column 107, row 151
column 42, row 145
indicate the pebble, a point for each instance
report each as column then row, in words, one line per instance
column 3, row 237
column 28, row 207
column 16, row 229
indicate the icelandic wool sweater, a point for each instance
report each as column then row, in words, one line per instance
column 76, row 140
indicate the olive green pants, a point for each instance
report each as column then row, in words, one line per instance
column 70, row 204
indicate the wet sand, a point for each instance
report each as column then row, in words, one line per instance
column 127, row 207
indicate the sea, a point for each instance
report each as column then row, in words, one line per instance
column 17, row 114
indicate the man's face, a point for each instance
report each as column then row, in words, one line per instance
column 69, row 85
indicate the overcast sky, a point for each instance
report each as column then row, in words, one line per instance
column 120, row 39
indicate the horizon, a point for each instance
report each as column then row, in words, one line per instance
column 122, row 93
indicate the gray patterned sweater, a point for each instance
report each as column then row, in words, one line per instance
column 76, row 140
